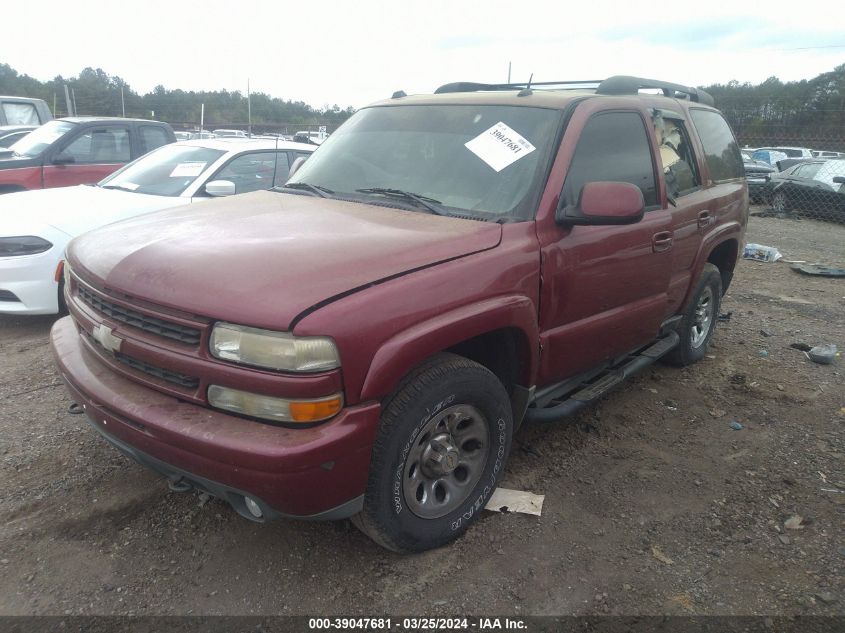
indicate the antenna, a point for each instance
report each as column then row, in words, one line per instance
column 527, row 90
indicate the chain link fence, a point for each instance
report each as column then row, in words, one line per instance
column 795, row 172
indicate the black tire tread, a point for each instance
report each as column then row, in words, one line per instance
column 680, row 356
column 431, row 371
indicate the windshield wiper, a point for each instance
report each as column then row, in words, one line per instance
column 425, row 201
column 121, row 187
column 323, row 192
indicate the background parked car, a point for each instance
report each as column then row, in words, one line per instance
column 23, row 111
column 181, row 135
column 235, row 133
column 11, row 134
column 791, row 152
column 169, row 176
column 769, row 156
column 77, row 151
column 757, row 174
column 816, row 187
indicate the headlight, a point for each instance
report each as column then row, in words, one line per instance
column 23, row 245
column 273, row 350
column 273, row 408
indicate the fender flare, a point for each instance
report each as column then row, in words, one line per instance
column 401, row 353
column 724, row 233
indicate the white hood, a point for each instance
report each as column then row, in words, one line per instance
column 75, row 210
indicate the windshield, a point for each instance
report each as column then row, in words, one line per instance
column 166, row 171
column 481, row 160
column 41, row 138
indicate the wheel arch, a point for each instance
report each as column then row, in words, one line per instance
column 724, row 257
column 496, row 333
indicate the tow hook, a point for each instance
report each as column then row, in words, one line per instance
column 179, row 485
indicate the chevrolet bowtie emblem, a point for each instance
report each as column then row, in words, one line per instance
column 103, row 335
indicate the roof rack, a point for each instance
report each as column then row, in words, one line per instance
column 616, row 85
column 625, row 85
column 469, row 86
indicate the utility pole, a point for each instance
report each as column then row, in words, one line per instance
column 202, row 117
column 73, row 99
column 67, row 101
column 248, row 111
column 54, row 103
column 509, row 72
column 122, row 103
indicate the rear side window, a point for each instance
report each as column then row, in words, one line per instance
column 720, row 147
column 613, row 147
column 20, row 114
column 152, row 137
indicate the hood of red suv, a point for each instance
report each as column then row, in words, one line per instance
column 263, row 258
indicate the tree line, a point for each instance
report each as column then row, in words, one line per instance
column 96, row 93
column 807, row 112
column 796, row 112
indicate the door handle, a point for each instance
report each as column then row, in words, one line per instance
column 661, row 241
column 704, row 219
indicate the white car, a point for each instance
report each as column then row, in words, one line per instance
column 35, row 226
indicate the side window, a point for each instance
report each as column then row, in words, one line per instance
column 807, row 171
column 679, row 167
column 251, row 172
column 80, row 148
column 152, row 137
column 720, row 147
column 100, row 145
column 20, row 114
column 613, row 147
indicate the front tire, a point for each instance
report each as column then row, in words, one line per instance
column 780, row 202
column 441, row 447
column 699, row 321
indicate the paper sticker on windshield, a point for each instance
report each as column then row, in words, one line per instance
column 187, row 170
column 499, row 146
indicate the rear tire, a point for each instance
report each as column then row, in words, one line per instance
column 699, row 321
column 442, row 444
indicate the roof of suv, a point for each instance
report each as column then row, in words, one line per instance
column 104, row 119
column 554, row 95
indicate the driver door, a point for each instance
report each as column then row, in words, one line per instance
column 604, row 288
column 88, row 157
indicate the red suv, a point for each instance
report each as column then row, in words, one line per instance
column 365, row 341
column 78, row 151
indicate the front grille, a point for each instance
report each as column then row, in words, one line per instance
column 154, row 325
column 8, row 295
column 176, row 378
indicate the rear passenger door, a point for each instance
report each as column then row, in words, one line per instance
column 88, row 156
column 604, row 287
column 689, row 205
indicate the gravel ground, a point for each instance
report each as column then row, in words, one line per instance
column 654, row 504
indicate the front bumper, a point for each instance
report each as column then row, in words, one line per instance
column 31, row 279
column 316, row 473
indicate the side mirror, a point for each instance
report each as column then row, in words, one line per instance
column 297, row 163
column 63, row 158
column 604, row 203
column 839, row 180
column 219, row 188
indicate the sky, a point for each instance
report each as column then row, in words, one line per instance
column 354, row 52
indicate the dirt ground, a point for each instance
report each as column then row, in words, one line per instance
column 653, row 503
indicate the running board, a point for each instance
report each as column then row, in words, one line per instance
column 580, row 394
